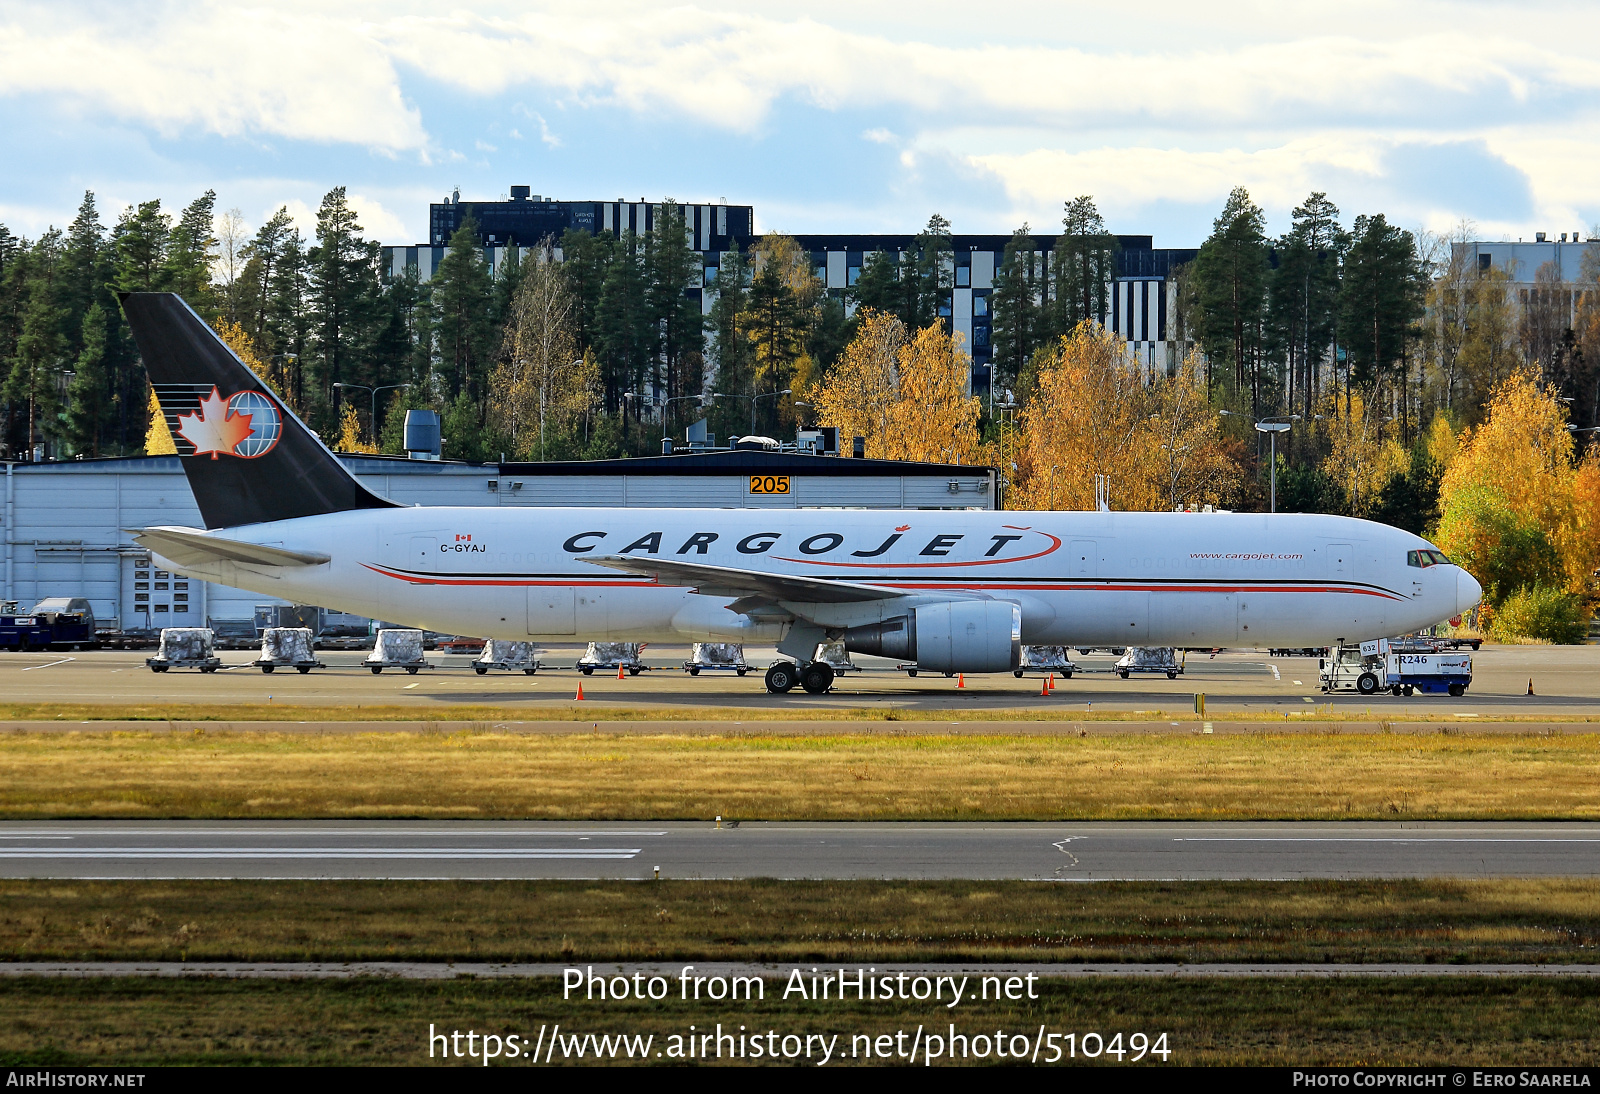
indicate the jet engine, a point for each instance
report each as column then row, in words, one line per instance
column 956, row 636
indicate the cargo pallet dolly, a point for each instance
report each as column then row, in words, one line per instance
column 397, row 648
column 716, row 657
column 287, row 648
column 507, row 656
column 612, row 655
column 1045, row 659
column 1150, row 659
column 185, row 648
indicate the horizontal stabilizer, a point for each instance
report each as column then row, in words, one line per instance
column 192, row 547
column 728, row 581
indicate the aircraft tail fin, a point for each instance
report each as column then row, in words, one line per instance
column 247, row 457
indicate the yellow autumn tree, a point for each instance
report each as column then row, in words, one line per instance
column 1092, row 414
column 1518, row 507
column 350, row 433
column 906, row 395
column 244, row 348
column 158, row 438
column 1360, row 460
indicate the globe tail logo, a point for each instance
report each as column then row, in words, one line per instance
column 246, row 424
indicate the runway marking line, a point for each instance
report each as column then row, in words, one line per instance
column 52, row 664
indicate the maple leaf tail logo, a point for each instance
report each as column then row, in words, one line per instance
column 216, row 428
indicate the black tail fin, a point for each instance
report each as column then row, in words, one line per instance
column 248, row 458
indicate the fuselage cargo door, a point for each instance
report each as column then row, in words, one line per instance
column 1341, row 562
column 552, row 610
column 1081, row 558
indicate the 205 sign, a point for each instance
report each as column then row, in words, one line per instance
column 769, row 484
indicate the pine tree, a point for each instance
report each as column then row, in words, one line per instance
column 1084, row 266
column 622, row 324
column 189, row 257
column 730, row 342
column 31, row 380
column 1380, row 298
column 253, row 292
column 88, row 396
column 462, row 298
column 1015, row 308
column 934, row 276
column 673, row 269
column 343, row 268
column 1230, row 274
column 585, row 260
column 140, row 242
column 1304, row 297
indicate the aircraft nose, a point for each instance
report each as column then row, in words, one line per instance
column 1468, row 591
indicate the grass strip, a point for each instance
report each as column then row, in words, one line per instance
column 1298, row 776
column 487, row 715
column 1502, row 921
column 1378, row 1022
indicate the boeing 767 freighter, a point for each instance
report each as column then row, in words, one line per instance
column 953, row 591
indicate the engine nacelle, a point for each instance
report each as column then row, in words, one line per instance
column 959, row 636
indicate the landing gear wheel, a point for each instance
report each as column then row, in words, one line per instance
column 817, row 678
column 1366, row 683
column 1458, row 690
column 782, row 678
column 481, row 670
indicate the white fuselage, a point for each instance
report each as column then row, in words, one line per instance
column 1081, row 578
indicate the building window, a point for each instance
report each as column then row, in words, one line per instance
column 160, row 585
column 944, row 309
column 963, row 277
column 162, row 573
column 980, row 306
column 142, row 575
column 980, row 337
column 161, row 607
column 852, row 274
column 141, row 585
column 180, row 584
column 711, row 275
column 180, row 596
column 139, row 598
column 822, row 273
column 178, row 608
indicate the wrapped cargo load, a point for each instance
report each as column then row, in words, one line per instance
column 287, row 647
column 611, row 655
column 397, row 648
column 499, row 653
column 716, row 657
column 186, row 647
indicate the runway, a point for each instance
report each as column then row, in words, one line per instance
column 1064, row 851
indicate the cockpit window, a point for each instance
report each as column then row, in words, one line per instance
column 1424, row 559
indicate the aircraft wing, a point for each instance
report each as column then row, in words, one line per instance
column 729, row 581
column 192, row 547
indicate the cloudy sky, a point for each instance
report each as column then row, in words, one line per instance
column 854, row 116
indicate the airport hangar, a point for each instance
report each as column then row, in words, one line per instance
column 66, row 523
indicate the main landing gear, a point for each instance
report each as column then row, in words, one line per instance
column 784, row 676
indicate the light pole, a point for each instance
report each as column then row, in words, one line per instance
column 703, row 400
column 1278, row 423
column 372, row 415
column 751, row 399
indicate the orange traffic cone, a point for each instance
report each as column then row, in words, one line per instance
column 1530, row 685
column 619, row 672
column 579, row 698
column 1044, row 688
column 1050, row 682
column 961, row 679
